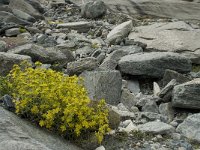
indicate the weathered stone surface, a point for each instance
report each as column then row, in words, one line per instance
column 150, row 106
column 23, row 15
column 171, row 74
column 128, row 99
column 17, row 134
column 103, row 85
column 8, row 60
column 26, row 7
column 156, row 127
column 3, row 46
column 177, row 37
column 153, row 64
column 12, row 32
column 166, row 92
column 160, row 8
column 119, row 32
column 190, row 127
column 186, row 95
column 38, row 53
column 82, row 26
column 7, row 17
column 166, row 109
column 85, row 64
column 93, row 9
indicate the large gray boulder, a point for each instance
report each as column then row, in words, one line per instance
column 190, row 127
column 44, row 55
column 177, row 37
column 7, row 17
column 187, row 95
column 119, row 32
column 93, row 9
column 27, row 7
column 153, row 64
column 103, row 85
column 8, row 60
column 160, row 8
column 17, row 134
column 156, row 127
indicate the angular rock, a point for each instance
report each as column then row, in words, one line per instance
column 18, row 134
column 7, row 61
column 38, row 53
column 128, row 99
column 93, row 9
column 186, row 95
column 12, row 32
column 156, row 127
column 166, row 109
column 103, row 85
column 150, row 106
column 156, row 89
column 7, row 17
column 26, row 7
column 190, row 127
column 133, row 86
column 100, row 148
column 85, row 64
column 153, row 64
column 23, row 15
column 150, row 116
column 8, row 102
column 171, row 74
column 177, row 37
column 166, row 92
column 78, row 26
column 119, row 32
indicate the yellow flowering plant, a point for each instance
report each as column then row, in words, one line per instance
column 56, row 101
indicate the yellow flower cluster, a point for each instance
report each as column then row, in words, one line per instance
column 56, row 101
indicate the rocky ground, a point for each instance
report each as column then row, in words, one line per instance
column 146, row 67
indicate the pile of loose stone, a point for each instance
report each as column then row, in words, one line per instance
column 142, row 67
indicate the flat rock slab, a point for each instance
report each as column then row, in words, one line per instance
column 153, row 64
column 177, row 37
column 17, row 134
column 187, row 95
column 78, row 26
column 156, row 127
column 190, row 127
column 103, row 85
column 160, row 8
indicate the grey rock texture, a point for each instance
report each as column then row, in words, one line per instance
column 156, row 127
column 85, row 64
column 93, row 9
column 119, row 32
column 190, row 127
column 9, row 60
column 38, row 53
column 177, row 37
column 103, row 85
column 186, row 95
column 17, row 134
column 153, row 64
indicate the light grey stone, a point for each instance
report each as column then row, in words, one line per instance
column 12, row 32
column 190, row 127
column 177, row 37
column 156, row 127
column 23, row 15
column 133, row 86
column 7, row 61
column 103, row 85
column 166, row 109
column 82, row 26
column 93, row 9
column 121, row 31
column 153, row 64
column 128, row 99
column 150, row 106
column 3, row 46
column 156, row 89
column 186, row 95
column 85, row 64
column 18, row 134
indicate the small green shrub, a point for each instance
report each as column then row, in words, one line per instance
column 56, row 101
